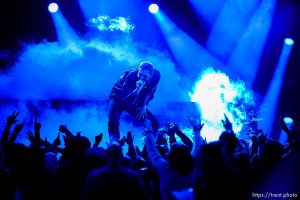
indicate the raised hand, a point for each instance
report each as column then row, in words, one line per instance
column 37, row 128
column 37, row 125
column 129, row 138
column 11, row 119
column 122, row 141
column 172, row 128
column 65, row 130
column 139, row 85
column 45, row 142
column 98, row 139
column 30, row 136
column 227, row 124
column 57, row 141
column 196, row 124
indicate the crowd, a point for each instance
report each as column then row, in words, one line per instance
column 170, row 165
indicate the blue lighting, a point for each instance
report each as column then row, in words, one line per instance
column 217, row 95
column 289, row 41
column 288, row 120
column 153, row 8
column 53, row 7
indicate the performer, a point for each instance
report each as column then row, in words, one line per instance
column 132, row 93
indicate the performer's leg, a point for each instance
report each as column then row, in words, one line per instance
column 114, row 113
column 151, row 122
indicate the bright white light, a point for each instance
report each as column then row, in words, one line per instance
column 53, row 7
column 289, row 41
column 153, row 8
column 217, row 95
column 288, row 120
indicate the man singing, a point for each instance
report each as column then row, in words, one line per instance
column 132, row 93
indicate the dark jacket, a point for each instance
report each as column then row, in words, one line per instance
column 127, row 83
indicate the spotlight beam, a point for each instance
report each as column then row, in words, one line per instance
column 270, row 102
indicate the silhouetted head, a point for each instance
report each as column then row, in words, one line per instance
column 95, row 157
column 181, row 159
column 214, row 156
column 75, row 147
column 229, row 139
column 271, row 153
column 114, row 153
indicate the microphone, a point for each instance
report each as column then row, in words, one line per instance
column 139, row 85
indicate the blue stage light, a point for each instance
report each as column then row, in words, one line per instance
column 53, row 7
column 289, row 41
column 153, row 8
column 288, row 120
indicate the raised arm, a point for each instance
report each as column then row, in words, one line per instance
column 16, row 132
column 155, row 157
column 11, row 119
column 131, row 149
column 173, row 127
column 198, row 140
column 98, row 139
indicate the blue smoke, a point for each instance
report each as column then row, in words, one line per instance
column 78, row 77
column 105, row 23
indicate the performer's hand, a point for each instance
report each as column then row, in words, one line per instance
column 139, row 85
column 142, row 112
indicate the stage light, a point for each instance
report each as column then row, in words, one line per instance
column 53, row 7
column 288, row 121
column 289, row 41
column 270, row 102
column 153, row 8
